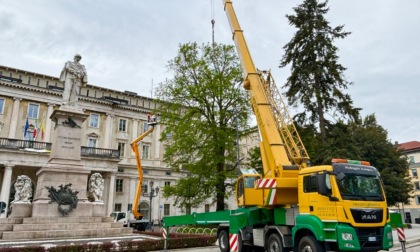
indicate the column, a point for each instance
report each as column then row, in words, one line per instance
column 132, row 192
column 108, row 131
column 135, row 132
column 110, row 205
column 155, row 142
column 5, row 188
column 13, row 118
column 48, row 124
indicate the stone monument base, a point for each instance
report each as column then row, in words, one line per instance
column 98, row 209
column 42, row 208
column 21, row 210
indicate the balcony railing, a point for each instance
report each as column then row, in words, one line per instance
column 16, row 144
column 98, row 152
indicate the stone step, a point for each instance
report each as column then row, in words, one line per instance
column 80, row 219
column 45, row 234
column 6, row 227
column 11, row 221
column 65, row 226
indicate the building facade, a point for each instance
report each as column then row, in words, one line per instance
column 116, row 118
column 412, row 210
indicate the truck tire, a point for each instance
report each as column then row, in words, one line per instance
column 274, row 243
column 309, row 244
column 223, row 241
column 242, row 247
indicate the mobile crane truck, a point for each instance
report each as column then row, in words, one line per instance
column 337, row 207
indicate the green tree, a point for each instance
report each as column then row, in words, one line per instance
column 368, row 141
column 363, row 140
column 317, row 79
column 253, row 160
column 198, row 110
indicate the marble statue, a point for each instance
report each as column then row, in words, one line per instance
column 23, row 187
column 74, row 77
column 96, row 186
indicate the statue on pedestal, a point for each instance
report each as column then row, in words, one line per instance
column 23, row 189
column 74, row 76
column 96, row 187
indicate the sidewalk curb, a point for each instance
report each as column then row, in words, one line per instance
column 397, row 244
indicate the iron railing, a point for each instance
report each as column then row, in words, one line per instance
column 98, row 152
column 16, row 144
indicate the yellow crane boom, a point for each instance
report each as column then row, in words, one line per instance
column 282, row 151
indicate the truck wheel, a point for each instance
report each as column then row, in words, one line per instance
column 223, row 241
column 309, row 244
column 274, row 243
column 241, row 246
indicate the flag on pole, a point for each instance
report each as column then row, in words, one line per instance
column 26, row 127
column 42, row 130
column 36, row 127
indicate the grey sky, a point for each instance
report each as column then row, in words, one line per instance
column 126, row 44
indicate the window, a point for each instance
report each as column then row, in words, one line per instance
column 33, row 111
column 167, row 183
column 119, row 185
column 144, row 210
column 416, row 185
column 145, row 186
column 168, row 173
column 411, row 160
column 145, row 152
column 310, row 184
column 129, row 207
column 92, row 142
column 1, row 106
column 166, row 209
column 94, row 121
column 145, row 126
column 121, row 149
column 117, row 207
column 414, row 171
column 418, row 200
column 206, row 208
column 122, row 126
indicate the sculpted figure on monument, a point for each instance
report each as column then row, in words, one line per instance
column 74, row 77
column 23, row 189
column 96, row 186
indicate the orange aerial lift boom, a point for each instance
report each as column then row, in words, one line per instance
column 135, row 147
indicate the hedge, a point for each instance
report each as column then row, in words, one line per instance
column 176, row 241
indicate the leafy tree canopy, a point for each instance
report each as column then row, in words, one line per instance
column 199, row 107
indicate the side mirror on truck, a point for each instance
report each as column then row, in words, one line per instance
column 324, row 185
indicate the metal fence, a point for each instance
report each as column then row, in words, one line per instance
column 16, row 144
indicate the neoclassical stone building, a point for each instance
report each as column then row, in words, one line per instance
column 115, row 118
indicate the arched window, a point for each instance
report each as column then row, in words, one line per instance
column 144, row 210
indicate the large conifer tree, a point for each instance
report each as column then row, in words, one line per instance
column 317, row 79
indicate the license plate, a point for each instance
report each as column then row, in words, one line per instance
column 372, row 238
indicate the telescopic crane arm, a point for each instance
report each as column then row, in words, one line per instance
column 135, row 147
column 282, row 151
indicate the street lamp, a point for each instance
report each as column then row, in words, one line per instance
column 153, row 193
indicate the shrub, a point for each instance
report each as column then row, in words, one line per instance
column 175, row 241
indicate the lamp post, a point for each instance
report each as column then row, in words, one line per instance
column 153, row 193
